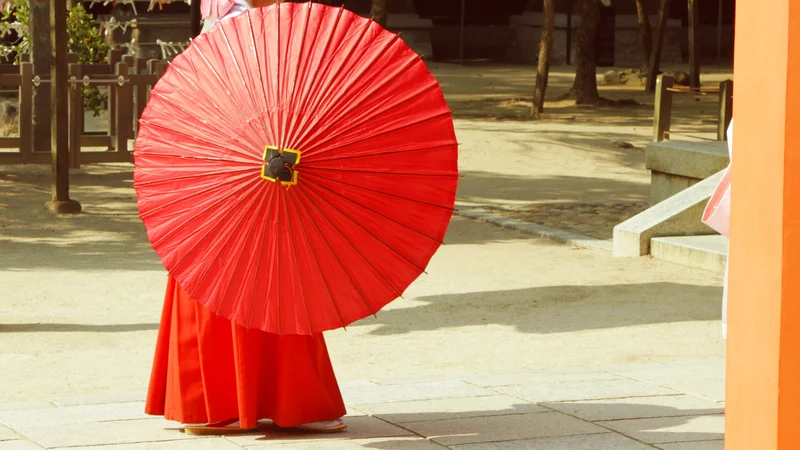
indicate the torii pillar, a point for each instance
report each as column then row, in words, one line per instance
column 763, row 353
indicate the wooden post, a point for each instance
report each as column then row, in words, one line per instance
column 59, row 86
column 26, row 108
column 662, row 117
column 140, row 97
column 41, row 57
column 658, row 45
column 75, row 116
column 719, row 33
column 461, row 34
column 114, row 56
column 694, row 58
column 569, row 31
column 124, row 113
column 196, row 18
column 725, row 109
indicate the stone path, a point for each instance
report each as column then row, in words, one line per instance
column 669, row 406
column 596, row 220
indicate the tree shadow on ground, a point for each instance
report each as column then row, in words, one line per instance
column 555, row 309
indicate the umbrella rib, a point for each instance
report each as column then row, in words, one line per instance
column 379, row 172
column 229, row 237
column 376, row 212
column 408, row 260
column 258, row 265
column 278, row 84
column 383, row 277
column 320, row 74
column 198, row 90
column 191, row 194
column 260, row 71
column 366, row 302
column 241, row 254
column 316, row 259
column 195, row 138
column 363, row 138
column 199, row 120
column 241, row 75
column 207, row 233
column 322, row 95
column 199, row 158
column 293, row 105
column 333, row 96
column 375, row 88
column 297, row 266
column 382, row 192
column 197, row 214
column 189, row 177
column 368, row 155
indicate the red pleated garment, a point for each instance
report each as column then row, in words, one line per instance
column 207, row 369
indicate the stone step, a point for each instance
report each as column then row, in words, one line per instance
column 700, row 252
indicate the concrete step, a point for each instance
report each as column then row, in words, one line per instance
column 700, row 252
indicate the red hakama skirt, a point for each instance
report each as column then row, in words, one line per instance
column 208, row 369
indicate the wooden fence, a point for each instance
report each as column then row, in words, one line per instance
column 128, row 80
column 665, row 89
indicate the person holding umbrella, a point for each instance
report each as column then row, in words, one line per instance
column 296, row 170
column 221, row 378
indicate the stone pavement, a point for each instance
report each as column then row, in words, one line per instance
column 669, row 406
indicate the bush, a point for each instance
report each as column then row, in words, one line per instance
column 84, row 40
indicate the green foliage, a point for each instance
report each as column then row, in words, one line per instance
column 84, row 40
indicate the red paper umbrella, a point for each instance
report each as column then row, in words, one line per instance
column 296, row 168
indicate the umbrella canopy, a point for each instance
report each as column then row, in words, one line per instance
column 296, row 168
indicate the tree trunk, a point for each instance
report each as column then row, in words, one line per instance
column 42, row 59
column 645, row 33
column 584, row 90
column 545, row 48
column 378, row 12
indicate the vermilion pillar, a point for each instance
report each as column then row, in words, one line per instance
column 763, row 373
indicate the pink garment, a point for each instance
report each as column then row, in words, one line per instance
column 215, row 8
column 717, row 214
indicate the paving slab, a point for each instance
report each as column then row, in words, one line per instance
column 671, row 429
column 356, row 444
column 14, row 406
column 490, row 380
column 584, row 390
column 703, row 445
column 604, row 441
column 18, row 445
column 7, row 434
column 450, row 408
column 21, row 419
column 638, row 407
column 103, row 433
column 360, row 392
column 704, row 379
column 98, row 399
column 502, row 428
column 358, row 428
column 212, row 443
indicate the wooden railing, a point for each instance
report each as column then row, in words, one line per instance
column 662, row 118
column 128, row 80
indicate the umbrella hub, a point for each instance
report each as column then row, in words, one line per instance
column 279, row 166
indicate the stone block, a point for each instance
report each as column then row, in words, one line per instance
column 502, row 428
column 340, row 442
column 18, row 445
column 699, row 252
column 358, row 428
column 671, row 429
column 583, row 442
column 679, row 215
column 361, row 392
column 696, row 445
column 638, row 407
column 450, row 408
column 211, row 443
column 557, row 391
column 675, row 166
